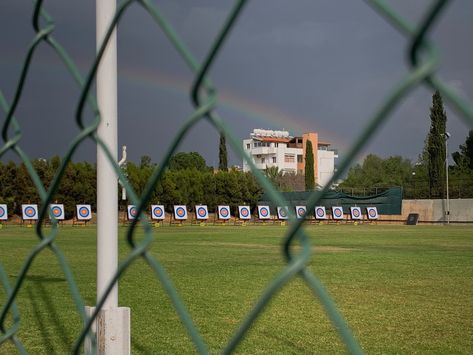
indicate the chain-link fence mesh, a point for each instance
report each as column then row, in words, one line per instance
column 424, row 62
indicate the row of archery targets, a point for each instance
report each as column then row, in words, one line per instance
column 30, row 212
column 180, row 213
column 223, row 214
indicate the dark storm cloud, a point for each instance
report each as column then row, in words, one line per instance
column 328, row 63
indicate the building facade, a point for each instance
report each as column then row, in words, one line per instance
column 279, row 149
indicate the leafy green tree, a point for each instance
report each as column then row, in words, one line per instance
column 138, row 175
column 435, row 147
column 378, row 172
column 167, row 190
column 274, row 175
column 253, row 190
column 196, row 193
column 309, row 167
column 192, row 160
column 464, row 158
column 85, row 190
column 25, row 189
column 291, row 181
column 8, row 185
column 145, row 162
column 208, row 186
column 222, row 154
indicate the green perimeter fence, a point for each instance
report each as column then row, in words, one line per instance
column 424, row 61
column 388, row 201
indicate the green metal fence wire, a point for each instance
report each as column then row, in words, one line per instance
column 423, row 59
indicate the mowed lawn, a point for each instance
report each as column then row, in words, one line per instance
column 402, row 289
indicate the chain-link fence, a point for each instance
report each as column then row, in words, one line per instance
column 423, row 59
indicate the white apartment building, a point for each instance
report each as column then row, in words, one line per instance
column 270, row 148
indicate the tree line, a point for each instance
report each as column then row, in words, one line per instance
column 187, row 181
column 424, row 178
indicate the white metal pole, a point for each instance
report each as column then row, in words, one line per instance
column 112, row 326
column 107, row 194
column 447, row 135
column 120, row 164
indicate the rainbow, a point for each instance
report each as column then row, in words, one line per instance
column 262, row 113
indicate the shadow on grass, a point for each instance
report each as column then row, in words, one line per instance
column 138, row 348
column 54, row 335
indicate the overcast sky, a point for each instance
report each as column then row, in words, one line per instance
column 298, row 65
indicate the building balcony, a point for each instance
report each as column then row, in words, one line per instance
column 263, row 150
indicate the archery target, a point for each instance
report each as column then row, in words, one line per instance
column 132, row 212
column 244, row 212
column 84, row 212
column 56, row 211
column 372, row 212
column 337, row 212
column 356, row 213
column 180, row 212
column 320, row 212
column 300, row 211
column 157, row 212
column 201, row 212
column 3, row 212
column 283, row 212
column 30, row 212
column 263, row 212
column 224, row 212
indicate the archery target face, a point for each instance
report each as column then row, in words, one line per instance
column 263, row 212
column 132, row 212
column 320, row 212
column 180, row 212
column 300, row 211
column 3, row 212
column 356, row 213
column 56, row 211
column 337, row 212
column 282, row 212
column 157, row 212
column 224, row 212
column 244, row 212
column 84, row 212
column 30, row 211
column 372, row 212
column 201, row 212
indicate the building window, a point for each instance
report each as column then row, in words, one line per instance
column 289, row 158
column 274, row 160
column 254, row 144
column 262, row 160
column 248, row 146
column 276, row 144
column 299, row 158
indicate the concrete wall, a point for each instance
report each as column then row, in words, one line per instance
column 461, row 210
column 326, row 164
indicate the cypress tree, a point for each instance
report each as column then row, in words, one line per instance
column 222, row 154
column 309, row 167
column 436, row 146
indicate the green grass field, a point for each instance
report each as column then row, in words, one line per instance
column 402, row 289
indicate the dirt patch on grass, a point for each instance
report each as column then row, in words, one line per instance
column 327, row 249
column 331, row 249
column 239, row 245
column 315, row 249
